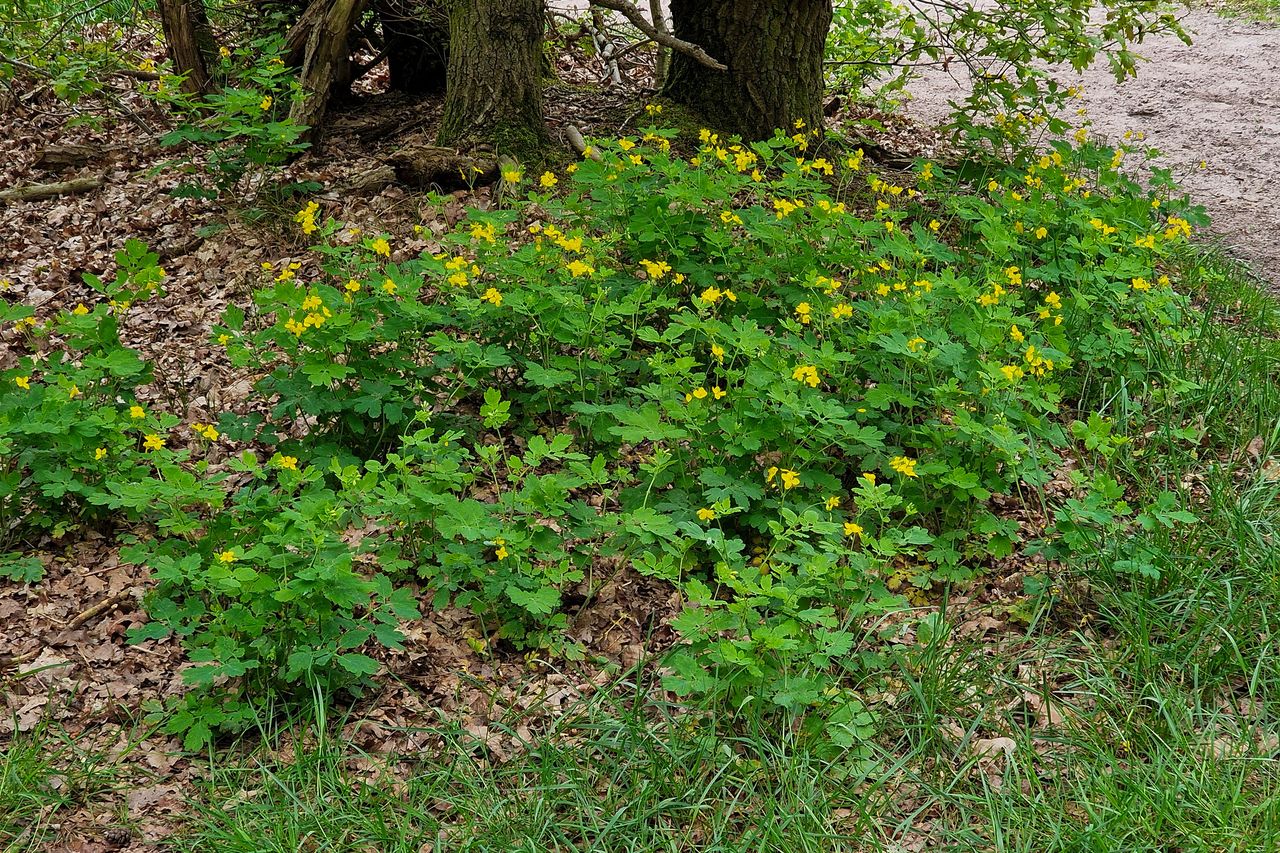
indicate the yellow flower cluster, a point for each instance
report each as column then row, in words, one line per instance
column 656, row 269
column 205, row 431
column 1036, row 363
column 788, row 479
column 806, row 373
column 904, row 465
column 306, row 217
column 712, row 295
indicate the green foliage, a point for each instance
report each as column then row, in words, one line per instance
column 72, row 433
column 1004, row 47
column 243, row 125
column 818, row 405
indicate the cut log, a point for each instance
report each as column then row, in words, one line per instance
column 444, row 169
column 32, row 192
column 56, row 158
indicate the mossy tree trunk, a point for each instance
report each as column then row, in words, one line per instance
column 416, row 38
column 189, row 42
column 494, row 89
column 774, row 50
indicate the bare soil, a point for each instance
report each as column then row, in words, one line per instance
column 1215, row 102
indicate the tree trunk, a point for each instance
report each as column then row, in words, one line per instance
column 326, row 64
column 495, row 76
column 415, row 36
column 189, row 41
column 774, row 50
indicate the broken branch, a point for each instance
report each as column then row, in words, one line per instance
column 636, row 17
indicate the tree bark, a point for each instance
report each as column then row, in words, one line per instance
column 495, row 76
column 774, row 50
column 326, row 64
column 415, row 36
column 189, row 41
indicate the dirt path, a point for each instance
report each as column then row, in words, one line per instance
column 1217, row 101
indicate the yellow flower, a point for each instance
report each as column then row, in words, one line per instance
column 294, row 326
column 656, row 269
column 137, row 412
column 152, row 441
column 711, row 295
column 512, row 176
column 842, row 311
column 485, row 231
column 1042, row 232
column 889, row 226
column 790, row 479
column 23, row 382
column 803, row 311
column 718, row 393
column 100, row 453
column 699, row 393
column 224, row 52
column 915, row 343
column 852, row 529
column 80, row 310
column 1053, row 300
column 353, row 286
column 578, row 269
column 266, row 103
column 869, row 477
column 706, row 514
column 389, row 286
column 904, row 465
column 1016, row 334
column 205, row 430
column 501, row 553
column 226, row 556
column 653, row 109
column 934, row 225
column 807, row 374
column 717, row 352
column 289, row 462
column 73, row 391
column 492, row 295
column 548, row 180
column 1012, row 372
column 381, row 247
column 831, row 502
column 1141, row 283
column 224, row 339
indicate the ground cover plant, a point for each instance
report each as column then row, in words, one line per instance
column 959, row 481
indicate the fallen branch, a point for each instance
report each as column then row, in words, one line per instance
column 637, row 19
column 98, row 609
column 32, row 192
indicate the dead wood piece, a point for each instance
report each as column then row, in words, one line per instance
column 444, row 169
column 98, row 609
column 372, row 180
column 32, row 192
column 55, row 158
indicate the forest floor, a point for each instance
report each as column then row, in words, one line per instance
column 1211, row 108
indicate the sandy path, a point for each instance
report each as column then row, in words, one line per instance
column 1217, row 101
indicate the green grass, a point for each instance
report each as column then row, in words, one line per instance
column 43, row 775
column 1258, row 10
column 618, row 776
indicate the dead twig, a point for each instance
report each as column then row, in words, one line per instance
column 98, row 609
